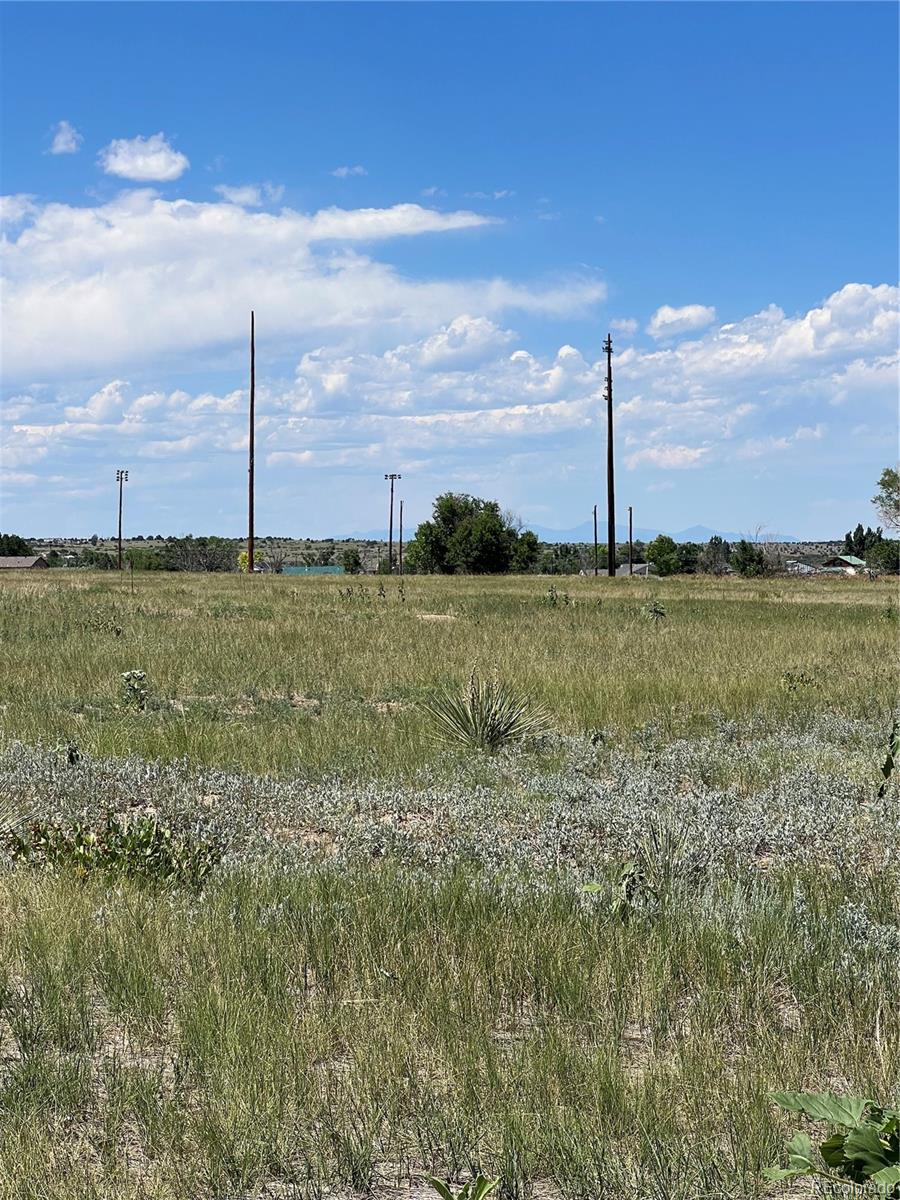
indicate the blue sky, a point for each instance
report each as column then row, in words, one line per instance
column 438, row 211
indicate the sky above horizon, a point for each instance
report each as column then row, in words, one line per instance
column 437, row 212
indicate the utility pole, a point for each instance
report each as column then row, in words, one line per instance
column 391, row 477
column 401, row 537
column 121, row 477
column 610, row 481
column 596, row 551
column 630, row 545
column 250, row 546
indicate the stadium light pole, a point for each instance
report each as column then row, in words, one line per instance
column 121, row 477
column 391, row 477
column 596, row 551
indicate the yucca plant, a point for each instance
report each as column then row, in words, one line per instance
column 485, row 714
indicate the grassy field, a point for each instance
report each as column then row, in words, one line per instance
column 319, row 675
column 393, row 968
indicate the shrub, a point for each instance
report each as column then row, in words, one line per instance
column 654, row 610
column 484, row 715
column 134, row 691
column 138, row 847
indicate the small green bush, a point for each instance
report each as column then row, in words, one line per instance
column 138, row 847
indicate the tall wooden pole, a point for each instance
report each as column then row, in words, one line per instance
column 401, row 538
column 391, row 477
column 596, row 550
column 121, row 476
column 630, row 545
column 610, row 480
column 120, row 520
column 250, row 546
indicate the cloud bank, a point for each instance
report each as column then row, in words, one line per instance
column 140, row 278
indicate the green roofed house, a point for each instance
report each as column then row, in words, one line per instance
column 848, row 563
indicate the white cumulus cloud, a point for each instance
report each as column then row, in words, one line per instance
column 624, row 325
column 667, row 456
column 670, row 322
column 66, row 139
column 88, row 289
column 347, row 172
column 145, row 160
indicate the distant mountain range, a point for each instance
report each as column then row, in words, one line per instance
column 585, row 533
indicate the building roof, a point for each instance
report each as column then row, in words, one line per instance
column 849, row 560
column 18, row 562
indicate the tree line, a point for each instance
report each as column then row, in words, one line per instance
column 471, row 536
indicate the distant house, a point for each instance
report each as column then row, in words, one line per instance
column 848, row 563
column 22, row 562
column 638, row 569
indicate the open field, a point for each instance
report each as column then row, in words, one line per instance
column 394, row 969
column 324, row 676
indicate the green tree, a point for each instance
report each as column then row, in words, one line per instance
column 747, row 558
column 200, row 554
column 663, row 554
column 143, row 558
column 884, row 556
column 688, row 558
column 525, row 552
column 13, row 546
column 714, row 556
column 466, row 535
column 351, row 561
column 243, row 560
column 569, row 558
column 98, row 559
column 887, row 498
